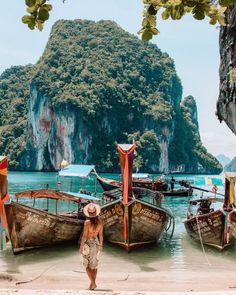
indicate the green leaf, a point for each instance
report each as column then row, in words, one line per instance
column 213, row 20
column 221, row 20
column 141, row 30
column 43, row 14
column 151, row 10
column 198, row 12
column 177, row 12
column 48, row 7
column 32, row 9
column 152, row 20
column 191, row 3
column 225, row 2
column 155, row 31
column 30, row 2
column 147, row 35
column 41, row 2
column 199, row 15
column 31, row 26
column 145, row 22
column 26, row 19
column 165, row 14
column 39, row 25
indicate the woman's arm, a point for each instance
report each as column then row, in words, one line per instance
column 84, row 236
column 100, row 234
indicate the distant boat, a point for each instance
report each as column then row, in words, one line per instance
column 181, row 192
column 211, row 227
column 130, row 219
column 157, row 184
column 30, row 228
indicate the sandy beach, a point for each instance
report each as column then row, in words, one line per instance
column 139, row 272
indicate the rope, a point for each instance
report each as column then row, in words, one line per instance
column 38, row 276
column 200, row 236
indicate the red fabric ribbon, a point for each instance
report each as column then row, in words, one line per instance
column 2, row 210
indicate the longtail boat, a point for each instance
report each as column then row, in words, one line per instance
column 214, row 227
column 156, row 184
column 130, row 220
column 30, row 227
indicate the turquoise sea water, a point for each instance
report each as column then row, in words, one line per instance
column 180, row 250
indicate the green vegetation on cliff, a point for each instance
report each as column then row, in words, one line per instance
column 118, row 84
column 119, row 88
column 14, row 97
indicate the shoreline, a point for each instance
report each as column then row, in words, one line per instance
column 104, row 292
column 143, row 272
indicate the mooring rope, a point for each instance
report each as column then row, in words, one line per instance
column 200, row 236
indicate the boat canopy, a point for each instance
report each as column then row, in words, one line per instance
column 140, row 175
column 54, row 194
column 83, row 196
column 208, row 181
column 82, row 171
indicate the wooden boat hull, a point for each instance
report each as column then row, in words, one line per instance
column 178, row 193
column 30, row 228
column 152, row 197
column 108, row 184
column 210, row 229
column 143, row 224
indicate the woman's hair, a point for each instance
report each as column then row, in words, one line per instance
column 94, row 220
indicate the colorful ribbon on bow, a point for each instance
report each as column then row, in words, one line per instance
column 3, row 226
column 126, row 153
column 4, row 197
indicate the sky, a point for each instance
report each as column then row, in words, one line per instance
column 192, row 44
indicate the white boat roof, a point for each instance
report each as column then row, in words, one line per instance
column 82, row 171
column 140, row 175
column 83, row 196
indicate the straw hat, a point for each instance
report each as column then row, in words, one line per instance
column 92, row 210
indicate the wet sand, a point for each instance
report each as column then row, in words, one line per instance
column 151, row 270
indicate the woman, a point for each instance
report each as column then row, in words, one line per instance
column 91, row 242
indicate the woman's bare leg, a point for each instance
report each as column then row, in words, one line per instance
column 90, row 275
column 94, row 275
column 96, row 271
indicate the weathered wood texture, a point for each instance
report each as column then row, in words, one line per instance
column 145, row 223
column 32, row 228
column 216, row 228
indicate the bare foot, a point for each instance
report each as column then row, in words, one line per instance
column 93, row 286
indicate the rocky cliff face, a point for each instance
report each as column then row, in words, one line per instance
column 231, row 167
column 226, row 105
column 95, row 86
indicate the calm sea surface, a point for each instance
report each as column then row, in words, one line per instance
column 180, row 252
